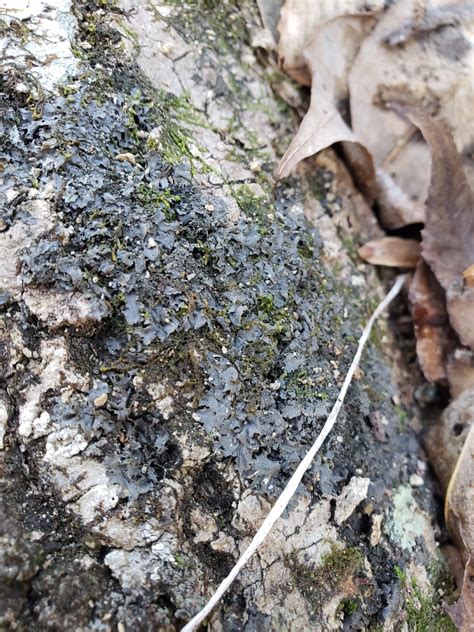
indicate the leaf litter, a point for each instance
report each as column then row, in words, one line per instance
column 393, row 84
column 298, row 21
column 434, row 336
column 349, row 59
column 394, row 252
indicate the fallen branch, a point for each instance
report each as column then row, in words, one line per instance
column 292, row 485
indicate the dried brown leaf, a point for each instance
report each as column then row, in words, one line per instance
column 460, row 302
column 468, row 275
column 433, row 71
column 450, row 446
column 459, row 113
column 391, row 251
column 459, row 513
column 431, row 19
column 453, row 557
column 445, row 441
column 328, row 57
column 299, row 20
column 270, row 14
column 460, row 371
column 434, row 336
column 462, row 612
column 448, row 236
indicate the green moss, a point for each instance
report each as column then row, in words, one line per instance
column 301, row 383
column 348, row 606
column 260, row 358
column 176, row 117
column 16, row 29
column 328, row 578
column 306, row 248
column 179, row 561
column 255, row 206
column 338, row 564
column 265, row 304
column 225, row 25
column 222, row 26
column 402, row 417
column 131, row 35
column 350, row 247
column 36, row 105
column 205, row 251
column 161, row 199
column 424, row 610
column 317, row 190
column 78, row 52
column 67, row 90
column 275, row 76
column 305, row 387
column 173, row 117
column 248, row 202
column 96, row 28
column 98, row 86
column 275, row 321
column 256, row 278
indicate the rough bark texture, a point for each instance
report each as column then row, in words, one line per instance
column 174, row 329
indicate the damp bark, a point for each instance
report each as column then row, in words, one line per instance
column 175, row 326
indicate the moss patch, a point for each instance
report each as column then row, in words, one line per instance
column 335, row 575
column 424, row 610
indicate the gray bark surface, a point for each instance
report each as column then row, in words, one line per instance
column 175, row 326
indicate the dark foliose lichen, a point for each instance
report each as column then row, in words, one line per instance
column 244, row 303
column 248, row 299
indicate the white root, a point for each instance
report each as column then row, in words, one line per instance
column 292, row 485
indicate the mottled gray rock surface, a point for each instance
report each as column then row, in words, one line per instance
column 174, row 330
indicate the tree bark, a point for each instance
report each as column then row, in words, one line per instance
column 175, row 328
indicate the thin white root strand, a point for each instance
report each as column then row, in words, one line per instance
column 292, row 485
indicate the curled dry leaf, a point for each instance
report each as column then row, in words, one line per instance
column 462, row 612
column 448, row 236
column 460, row 371
column 468, row 276
column 299, row 20
column 450, row 445
column 431, row 18
column 429, row 71
column 460, row 117
column 328, row 57
column 434, row 336
column 391, row 251
column 431, row 67
column 459, row 513
column 445, row 441
column 460, row 301
column 270, row 14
